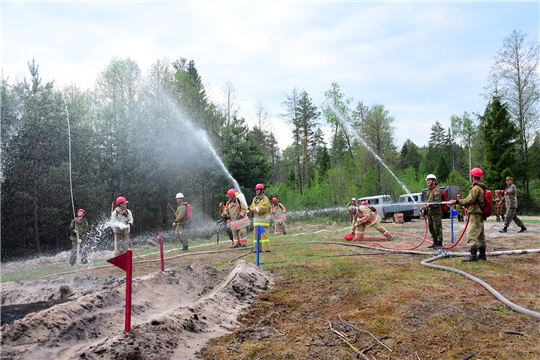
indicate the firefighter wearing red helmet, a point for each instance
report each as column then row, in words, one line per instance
column 260, row 208
column 475, row 203
column 78, row 234
column 122, row 221
column 236, row 211
column 278, row 213
column 364, row 218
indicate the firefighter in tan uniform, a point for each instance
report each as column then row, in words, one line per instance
column 236, row 211
column 475, row 202
column 278, row 212
column 260, row 208
column 122, row 221
column 181, row 222
column 498, row 200
column 365, row 217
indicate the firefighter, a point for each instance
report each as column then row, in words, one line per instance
column 236, row 211
column 79, row 236
column 349, row 204
column 278, row 212
column 499, row 204
column 460, row 210
column 475, row 202
column 260, row 208
column 181, row 222
column 122, row 220
column 433, row 212
column 365, row 217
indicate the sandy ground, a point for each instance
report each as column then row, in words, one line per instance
column 174, row 313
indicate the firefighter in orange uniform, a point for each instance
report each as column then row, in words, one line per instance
column 236, row 211
column 365, row 217
column 278, row 212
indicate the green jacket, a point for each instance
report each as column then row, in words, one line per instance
column 475, row 202
column 82, row 228
column 181, row 214
column 433, row 195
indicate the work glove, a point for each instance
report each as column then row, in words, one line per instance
column 79, row 241
column 257, row 209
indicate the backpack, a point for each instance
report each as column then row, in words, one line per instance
column 189, row 212
column 488, row 207
column 488, row 198
column 444, row 197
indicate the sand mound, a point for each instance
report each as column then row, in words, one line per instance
column 174, row 313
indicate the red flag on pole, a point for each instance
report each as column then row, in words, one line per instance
column 121, row 260
column 124, row 262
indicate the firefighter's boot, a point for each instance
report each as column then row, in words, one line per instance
column 503, row 230
column 482, row 255
column 472, row 257
column 523, row 228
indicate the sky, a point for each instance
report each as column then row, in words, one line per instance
column 424, row 61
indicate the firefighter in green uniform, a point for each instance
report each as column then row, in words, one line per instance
column 475, row 202
column 433, row 211
column 180, row 223
column 78, row 235
column 510, row 198
column 260, row 208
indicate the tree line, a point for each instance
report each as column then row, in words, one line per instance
column 147, row 137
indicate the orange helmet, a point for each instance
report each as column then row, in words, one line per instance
column 231, row 192
column 259, row 187
column 121, row 200
column 274, row 200
column 477, row 172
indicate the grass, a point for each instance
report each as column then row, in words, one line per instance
column 386, row 306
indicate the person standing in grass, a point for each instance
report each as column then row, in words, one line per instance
column 510, row 198
column 260, row 208
column 278, row 212
column 475, row 202
column 79, row 236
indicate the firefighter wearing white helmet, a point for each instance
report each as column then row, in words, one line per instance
column 181, row 220
column 433, row 211
column 122, row 221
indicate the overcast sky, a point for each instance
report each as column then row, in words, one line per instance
column 424, row 61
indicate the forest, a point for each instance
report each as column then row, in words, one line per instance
column 148, row 136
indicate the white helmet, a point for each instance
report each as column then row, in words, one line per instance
column 431, row 176
column 353, row 199
column 179, row 196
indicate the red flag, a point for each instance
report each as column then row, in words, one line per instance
column 121, row 260
column 158, row 239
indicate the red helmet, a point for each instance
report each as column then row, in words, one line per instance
column 349, row 237
column 274, row 200
column 231, row 192
column 84, row 212
column 259, row 187
column 477, row 172
column 365, row 203
column 120, row 200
